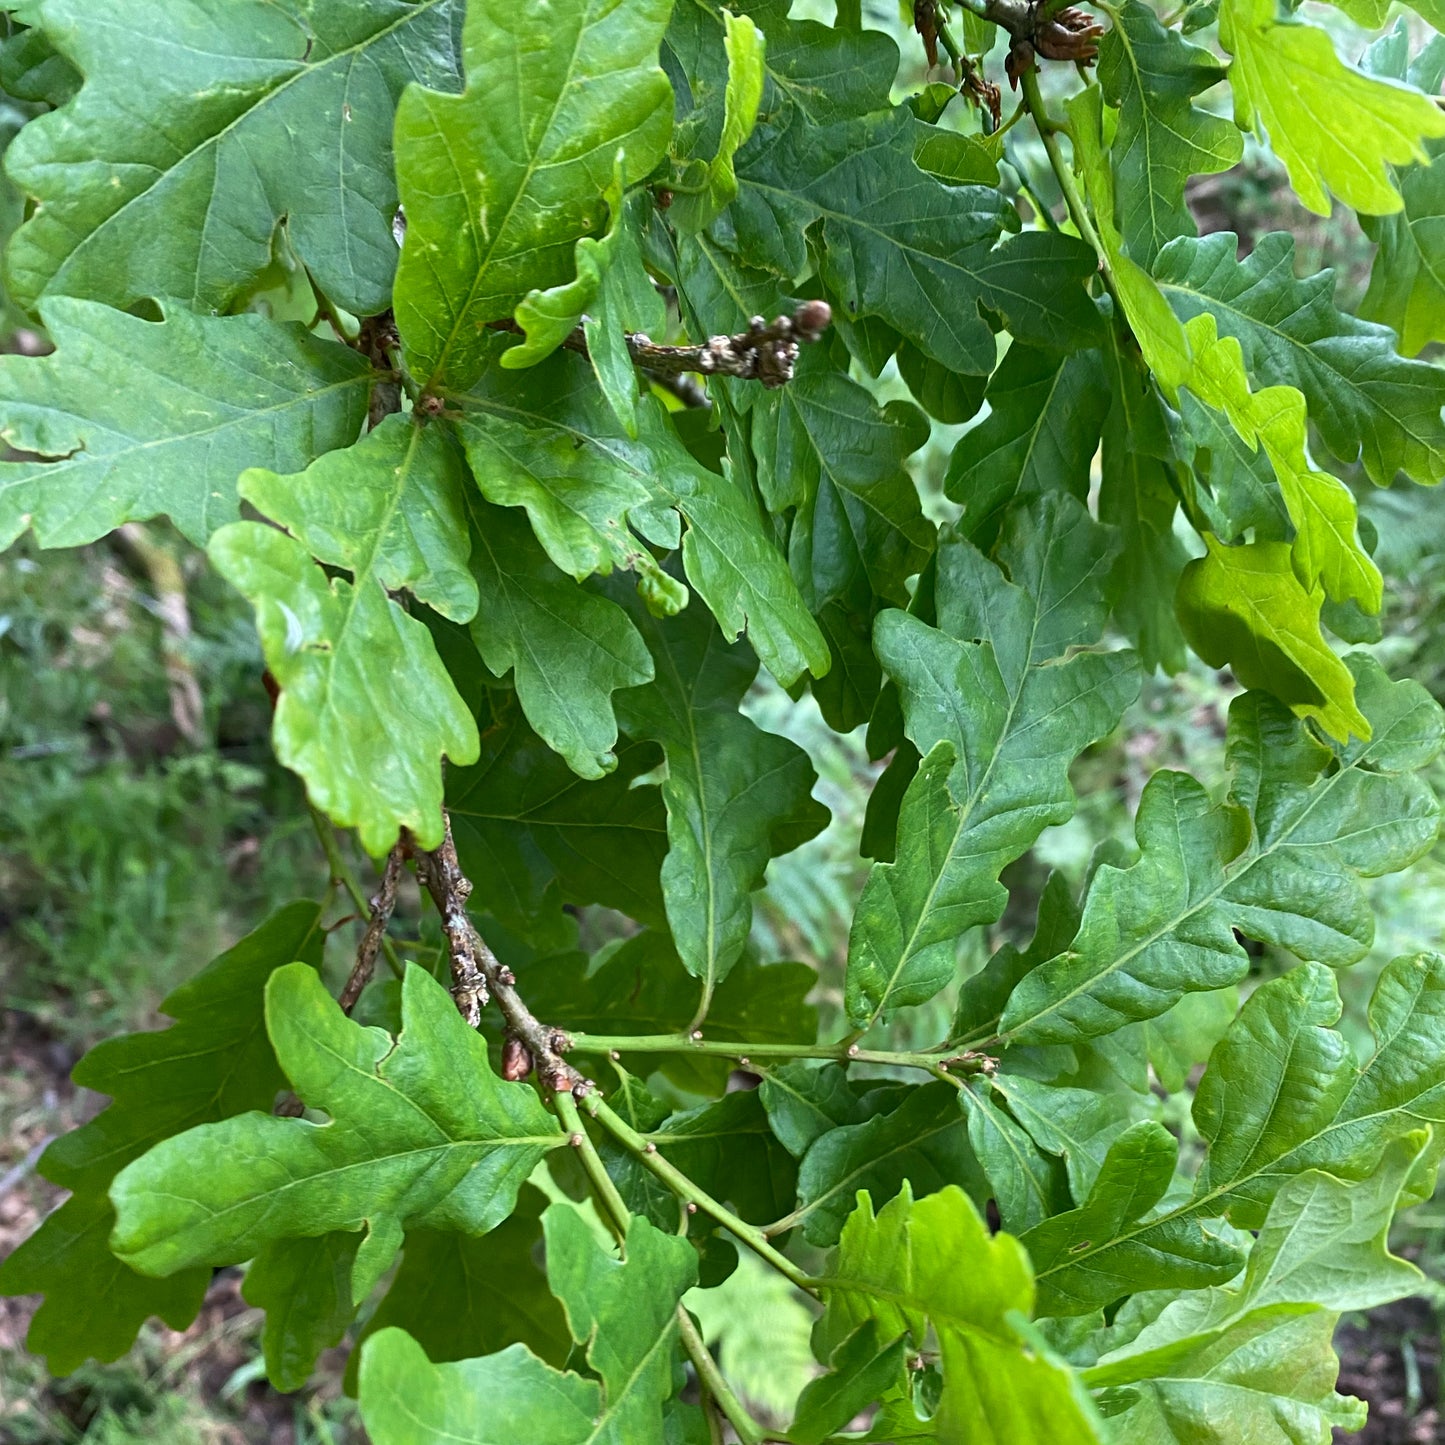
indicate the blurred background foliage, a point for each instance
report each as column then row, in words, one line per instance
column 144, row 826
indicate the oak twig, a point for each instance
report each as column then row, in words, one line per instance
column 342, row 877
column 766, row 352
column 378, row 342
column 383, row 904
column 478, row 976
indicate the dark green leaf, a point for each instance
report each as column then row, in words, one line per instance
column 1078, row 1271
column 198, row 131
column 533, row 836
column 1367, row 402
column 567, row 648
column 147, row 418
column 1046, row 411
column 304, row 1285
column 215, row 1061
column 1153, row 76
column 460, row 1295
column 922, row 1142
column 545, row 440
column 736, row 796
column 1321, row 816
column 1000, row 712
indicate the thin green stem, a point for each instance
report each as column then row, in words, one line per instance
column 614, row 1206
column 712, row 1381
column 951, row 45
column 618, row 1216
column 341, row 873
column 1073, row 198
column 843, row 1052
column 1019, row 111
column 690, row 1193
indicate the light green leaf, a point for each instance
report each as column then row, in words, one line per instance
column 610, row 296
column 900, row 1269
column 460, row 1295
column 198, row 131
column 1211, row 1356
column 1174, row 1252
column 500, row 182
column 624, row 1314
column 917, row 253
column 497, row 1399
column 392, row 507
column 745, row 48
column 1000, row 698
column 1320, row 817
column 568, row 649
column 1153, row 74
column 1369, row 404
column 404, row 1146
column 1046, row 412
column 304, row 1285
column 1155, row 328
column 149, row 418
column 1308, row 1103
column 1326, row 548
column 546, row 440
column 736, row 796
column 1330, row 125
column 1283, row 1095
column 1244, row 608
column 1324, row 1244
column 215, row 1061
column 1273, row 1376
column 350, row 664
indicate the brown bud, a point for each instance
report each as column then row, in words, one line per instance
column 811, row 319
column 1069, row 35
column 925, row 22
column 516, row 1059
column 558, row 1042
